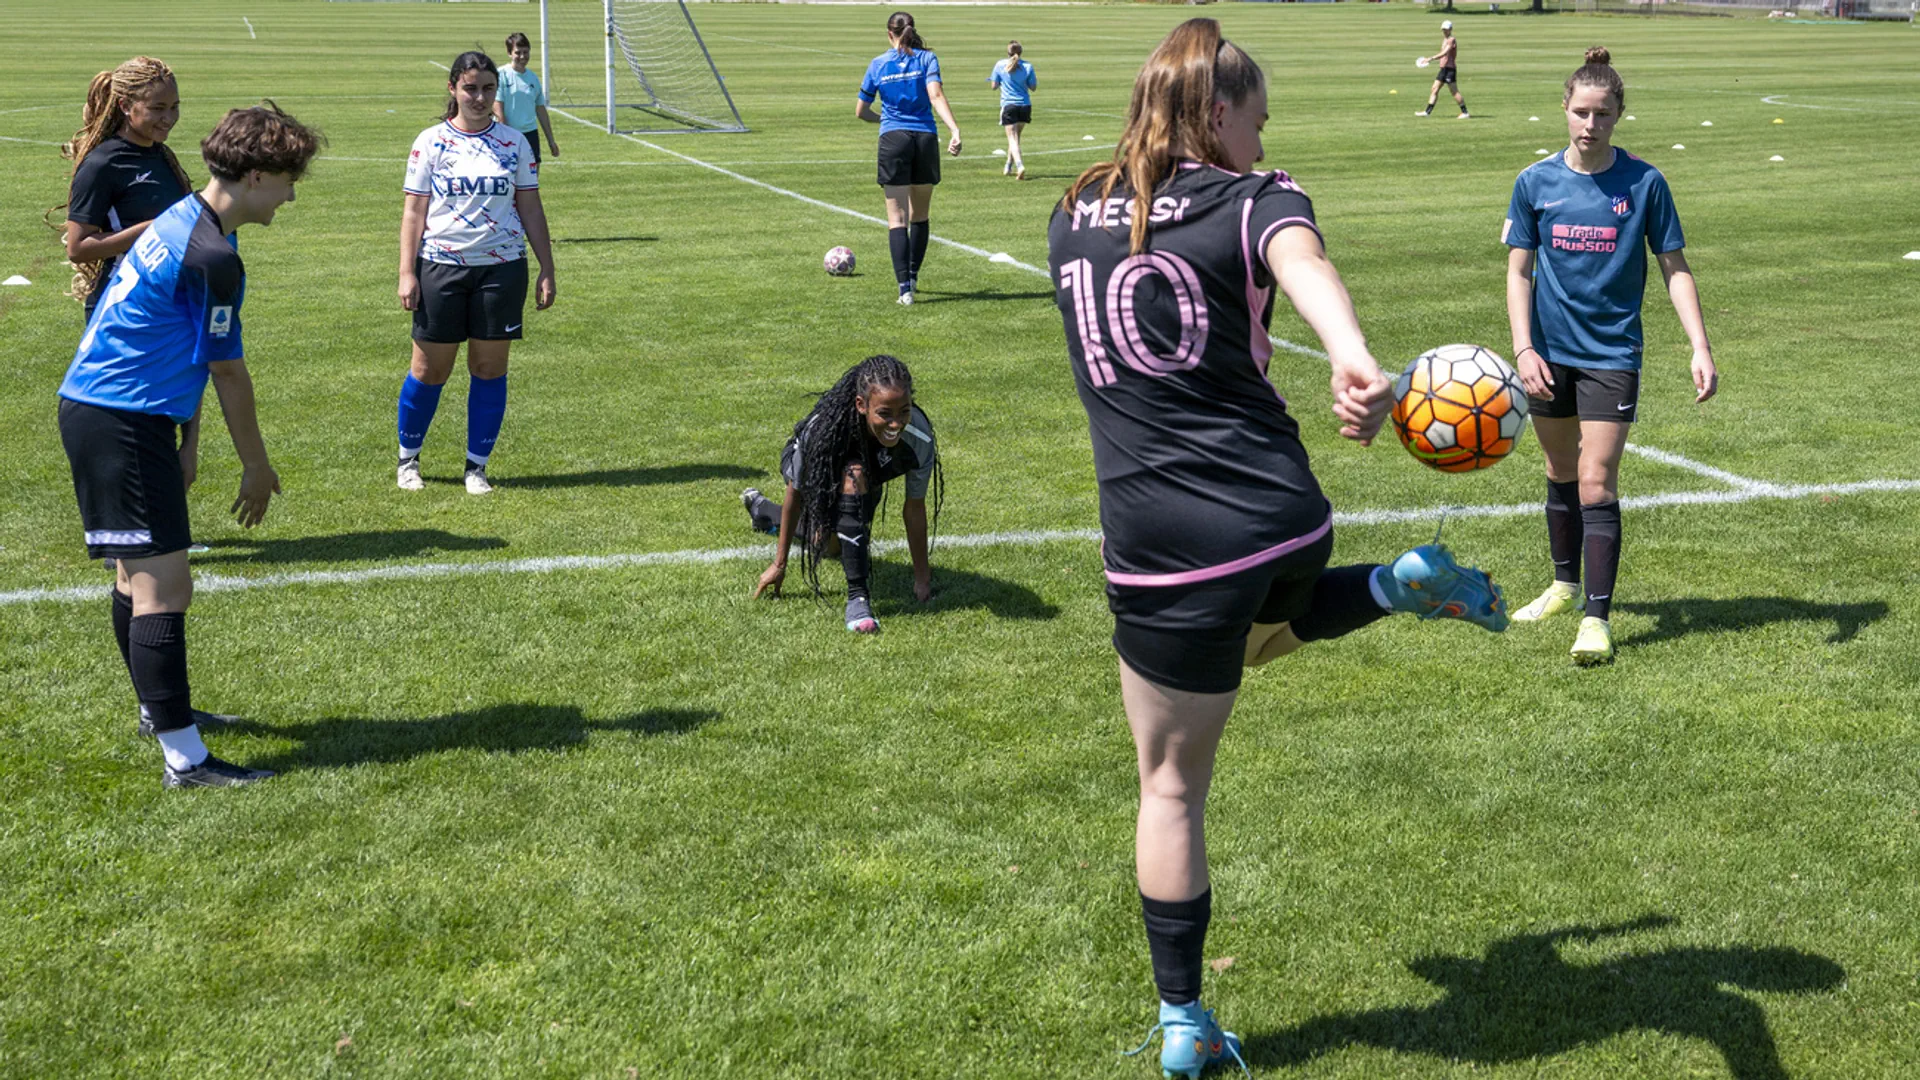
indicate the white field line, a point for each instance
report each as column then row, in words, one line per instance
column 795, row 48
column 36, row 108
column 35, row 142
column 1741, row 483
column 1026, row 538
column 575, row 164
column 250, row 32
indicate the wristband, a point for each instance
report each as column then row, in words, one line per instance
column 1527, row 349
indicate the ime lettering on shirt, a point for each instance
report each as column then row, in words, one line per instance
column 1200, row 466
column 470, row 180
column 171, row 308
column 1591, row 232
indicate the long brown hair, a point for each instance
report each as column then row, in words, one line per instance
column 900, row 26
column 1013, row 56
column 1598, row 73
column 1172, row 108
column 102, row 117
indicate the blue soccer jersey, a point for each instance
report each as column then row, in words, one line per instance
column 172, row 308
column 899, row 80
column 1016, row 84
column 1592, row 233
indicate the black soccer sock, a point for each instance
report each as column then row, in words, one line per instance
column 122, row 620
column 1603, row 555
column 917, row 234
column 900, row 248
column 1342, row 603
column 1463, row 104
column 854, row 536
column 1177, row 941
column 158, row 660
column 1564, row 529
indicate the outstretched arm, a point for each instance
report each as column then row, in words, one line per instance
column 913, row 515
column 1361, row 394
column 1685, row 294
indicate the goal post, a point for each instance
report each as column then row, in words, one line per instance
column 634, row 66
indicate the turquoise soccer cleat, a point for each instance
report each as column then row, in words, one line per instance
column 1190, row 1041
column 1428, row 582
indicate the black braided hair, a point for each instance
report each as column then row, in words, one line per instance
column 831, row 437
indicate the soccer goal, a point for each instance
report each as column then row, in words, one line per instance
column 639, row 66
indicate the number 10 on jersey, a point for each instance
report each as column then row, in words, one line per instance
column 1123, row 286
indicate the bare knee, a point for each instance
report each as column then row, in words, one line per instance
column 1598, row 485
column 855, row 480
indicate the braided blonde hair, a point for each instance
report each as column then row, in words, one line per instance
column 103, row 117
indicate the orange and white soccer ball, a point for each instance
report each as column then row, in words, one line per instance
column 1458, row 408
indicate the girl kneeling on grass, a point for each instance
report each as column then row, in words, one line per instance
column 862, row 433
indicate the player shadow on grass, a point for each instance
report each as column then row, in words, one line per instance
column 1523, row 1001
column 341, row 741
column 341, row 547
column 953, row 589
column 605, row 239
column 1697, row 615
column 635, row 477
column 936, row 296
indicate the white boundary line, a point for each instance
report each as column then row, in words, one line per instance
column 206, row 583
column 777, row 45
column 570, row 163
column 1738, row 483
column 250, row 32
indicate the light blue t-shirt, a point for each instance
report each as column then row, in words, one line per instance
column 1016, row 86
column 171, row 308
column 899, row 80
column 1592, row 233
column 520, row 92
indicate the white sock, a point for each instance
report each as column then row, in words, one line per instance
column 1378, row 590
column 407, row 455
column 183, row 748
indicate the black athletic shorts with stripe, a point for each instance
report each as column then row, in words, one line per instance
column 127, row 478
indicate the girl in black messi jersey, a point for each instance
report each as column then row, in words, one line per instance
column 1216, row 533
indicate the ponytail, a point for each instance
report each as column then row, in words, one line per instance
column 1013, row 57
column 102, row 117
column 1598, row 72
column 900, row 26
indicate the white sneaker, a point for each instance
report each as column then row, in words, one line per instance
column 906, row 299
column 1464, row 116
column 410, row 475
column 477, row 480
column 1421, row 112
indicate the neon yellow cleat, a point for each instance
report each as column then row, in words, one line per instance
column 1594, row 644
column 1559, row 597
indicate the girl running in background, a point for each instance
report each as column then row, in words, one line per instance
column 522, row 104
column 1216, row 532
column 1017, row 81
column 472, row 206
column 124, row 174
column 1580, row 225
column 906, row 80
column 862, row 433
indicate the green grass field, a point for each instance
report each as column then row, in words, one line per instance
column 615, row 819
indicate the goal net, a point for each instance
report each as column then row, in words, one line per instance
column 637, row 66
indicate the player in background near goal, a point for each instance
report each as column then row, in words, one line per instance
column 472, row 207
column 522, row 104
column 1579, row 228
column 906, row 81
column 863, row 432
column 1449, row 60
column 168, row 321
column 1216, row 532
column 1016, row 79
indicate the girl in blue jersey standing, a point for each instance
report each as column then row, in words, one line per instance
column 906, row 81
column 1017, row 81
column 472, row 209
column 1580, row 225
column 1216, row 534
column 167, row 323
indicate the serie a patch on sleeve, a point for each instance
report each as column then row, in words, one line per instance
column 220, row 321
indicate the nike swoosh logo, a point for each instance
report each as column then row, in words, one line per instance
column 514, row 327
column 1551, row 205
column 854, row 540
column 1627, row 407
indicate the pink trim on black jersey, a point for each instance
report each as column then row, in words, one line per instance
column 1209, row 573
column 1258, row 343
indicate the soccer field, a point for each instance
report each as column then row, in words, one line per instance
column 558, row 799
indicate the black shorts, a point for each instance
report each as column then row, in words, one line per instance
column 1590, row 394
column 461, row 302
column 909, row 157
column 1449, row 76
column 1015, row 114
column 790, row 472
column 1194, row 637
column 126, row 476
column 533, row 140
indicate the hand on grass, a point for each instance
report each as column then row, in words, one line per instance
column 771, row 579
column 258, row 486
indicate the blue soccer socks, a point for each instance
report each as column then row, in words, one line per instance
column 418, row 402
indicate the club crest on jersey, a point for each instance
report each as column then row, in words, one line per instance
column 220, row 321
column 1621, row 206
